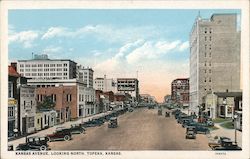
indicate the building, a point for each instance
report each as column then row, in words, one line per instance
column 105, row 84
column 167, row 99
column 65, row 99
column 45, row 119
column 147, row 98
column 130, row 86
column 180, row 91
column 12, row 100
column 223, row 104
column 27, row 109
column 41, row 67
column 214, row 57
column 85, row 75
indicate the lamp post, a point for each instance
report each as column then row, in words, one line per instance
column 26, row 125
column 235, row 131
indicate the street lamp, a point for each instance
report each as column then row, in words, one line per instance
column 235, row 131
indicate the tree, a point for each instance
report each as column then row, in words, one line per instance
column 47, row 103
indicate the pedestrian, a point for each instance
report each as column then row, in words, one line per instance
column 15, row 132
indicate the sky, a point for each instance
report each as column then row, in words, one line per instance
column 149, row 44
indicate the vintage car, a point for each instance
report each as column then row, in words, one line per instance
column 10, row 147
column 130, row 109
column 93, row 123
column 34, row 143
column 60, row 134
column 224, row 143
column 113, row 123
column 159, row 112
column 202, row 129
column 77, row 129
column 190, row 134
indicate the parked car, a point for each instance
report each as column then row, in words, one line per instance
column 77, row 129
column 186, row 121
column 60, row 134
column 113, row 123
column 201, row 129
column 209, row 123
column 224, row 143
column 34, row 143
column 130, row 109
column 92, row 123
column 10, row 147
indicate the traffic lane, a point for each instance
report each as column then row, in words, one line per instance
column 142, row 129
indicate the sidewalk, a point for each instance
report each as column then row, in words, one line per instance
column 230, row 133
column 50, row 130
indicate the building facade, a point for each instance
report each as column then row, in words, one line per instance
column 85, row 74
column 65, row 99
column 130, row 86
column 105, row 84
column 27, row 109
column 180, row 91
column 41, row 67
column 214, row 57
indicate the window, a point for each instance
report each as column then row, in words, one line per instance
column 210, row 79
column 24, row 104
column 205, row 38
column 210, row 71
column 27, row 70
column 205, row 71
column 52, row 65
column 65, row 64
column 205, row 30
column 210, row 38
column 59, row 65
column 21, row 65
column 65, row 74
column 37, row 96
column 54, row 97
column 205, row 80
column 59, row 69
column 210, row 30
column 210, row 54
column 38, row 121
column 68, row 97
column 40, row 65
column 205, row 64
column 205, row 54
column 10, row 89
column 21, row 70
column 65, row 69
column 27, row 65
column 33, row 74
column 34, row 70
column 209, row 63
column 33, row 65
column 27, row 74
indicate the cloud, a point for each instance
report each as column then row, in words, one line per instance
column 107, row 33
column 52, row 49
column 184, row 46
column 153, row 50
column 24, row 37
column 54, row 32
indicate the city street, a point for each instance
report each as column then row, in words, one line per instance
column 141, row 129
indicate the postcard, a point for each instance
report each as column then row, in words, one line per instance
column 125, row 79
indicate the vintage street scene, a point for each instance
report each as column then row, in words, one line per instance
column 124, row 80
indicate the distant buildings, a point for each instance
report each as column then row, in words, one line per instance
column 180, row 91
column 214, row 57
column 147, row 98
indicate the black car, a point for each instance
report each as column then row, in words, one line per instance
column 113, row 123
column 60, row 134
column 190, row 134
column 202, row 129
column 186, row 121
column 77, row 129
column 34, row 143
column 93, row 123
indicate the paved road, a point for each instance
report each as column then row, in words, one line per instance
column 141, row 129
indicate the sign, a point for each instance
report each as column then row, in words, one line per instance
column 12, row 102
column 124, row 88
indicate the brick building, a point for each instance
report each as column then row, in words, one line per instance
column 180, row 91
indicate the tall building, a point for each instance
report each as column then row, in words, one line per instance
column 85, row 74
column 180, row 91
column 41, row 67
column 105, row 84
column 214, row 57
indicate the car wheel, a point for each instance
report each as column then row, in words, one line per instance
column 43, row 148
column 66, row 138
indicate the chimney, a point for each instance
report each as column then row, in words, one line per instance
column 14, row 65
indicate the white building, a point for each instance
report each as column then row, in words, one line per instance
column 85, row 74
column 214, row 57
column 105, row 84
column 130, row 86
column 41, row 67
column 89, row 99
column 27, row 109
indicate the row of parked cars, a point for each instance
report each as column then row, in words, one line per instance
column 37, row 143
column 192, row 127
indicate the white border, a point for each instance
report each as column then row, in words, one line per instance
column 123, row 4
